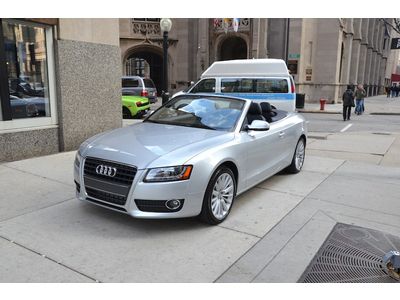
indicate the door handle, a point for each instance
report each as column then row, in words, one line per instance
column 281, row 134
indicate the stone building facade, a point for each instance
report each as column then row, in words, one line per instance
column 324, row 55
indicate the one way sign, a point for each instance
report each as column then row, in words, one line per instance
column 395, row 43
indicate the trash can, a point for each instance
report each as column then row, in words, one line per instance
column 300, row 100
column 322, row 103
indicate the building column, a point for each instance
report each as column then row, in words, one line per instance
column 367, row 73
column 355, row 52
column 363, row 51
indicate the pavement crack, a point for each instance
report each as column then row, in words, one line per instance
column 239, row 231
column 44, row 177
column 36, row 210
column 356, row 207
column 49, row 258
column 364, row 219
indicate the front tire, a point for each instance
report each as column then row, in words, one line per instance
column 219, row 196
column 298, row 157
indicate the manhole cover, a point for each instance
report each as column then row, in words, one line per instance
column 351, row 254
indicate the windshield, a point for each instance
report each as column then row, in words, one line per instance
column 201, row 112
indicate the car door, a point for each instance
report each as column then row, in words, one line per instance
column 263, row 157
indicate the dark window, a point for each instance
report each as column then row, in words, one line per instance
column 259, row 85
column 127, row 82
column 25, row 75
column 148, row 83
column 204, row 86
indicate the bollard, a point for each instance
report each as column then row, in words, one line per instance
column 322, row 103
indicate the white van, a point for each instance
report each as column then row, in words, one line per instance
column 263, row 80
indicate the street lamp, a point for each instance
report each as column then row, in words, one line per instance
column 165, row 25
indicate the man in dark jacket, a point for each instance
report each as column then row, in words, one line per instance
column 348, row 102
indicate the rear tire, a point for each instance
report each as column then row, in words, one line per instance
column 219, row 196
column 126, row 114
column 298, row 157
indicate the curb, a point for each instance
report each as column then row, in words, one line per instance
column 337, row 112
column 385, row 113
column 318, row 111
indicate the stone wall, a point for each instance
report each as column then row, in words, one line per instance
column 22, row 144
column 88, row 90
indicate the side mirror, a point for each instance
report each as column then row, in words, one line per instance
column 258, row 125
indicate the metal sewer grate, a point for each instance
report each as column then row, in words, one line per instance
column 351, row 254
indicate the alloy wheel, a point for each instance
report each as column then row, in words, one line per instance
column 222, row 196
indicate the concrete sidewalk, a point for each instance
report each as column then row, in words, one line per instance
column 272, row 234
column 373, row 105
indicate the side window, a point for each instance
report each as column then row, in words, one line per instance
column 271, row 85
column 237, row 85
column 230, row 85
column 127, row 82
column 204, row 86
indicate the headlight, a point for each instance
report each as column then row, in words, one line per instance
column 78, row 159
column 168, row 174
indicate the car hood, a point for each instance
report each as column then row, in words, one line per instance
column 149, row 145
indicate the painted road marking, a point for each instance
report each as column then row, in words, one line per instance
column 345, row 128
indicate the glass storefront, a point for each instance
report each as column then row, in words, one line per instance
column 26, row 67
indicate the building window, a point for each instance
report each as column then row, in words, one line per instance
column 26, row 91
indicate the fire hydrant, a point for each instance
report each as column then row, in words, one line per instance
column 391, row 263
column 322, row 103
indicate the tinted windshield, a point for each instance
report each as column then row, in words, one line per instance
column 210, row 113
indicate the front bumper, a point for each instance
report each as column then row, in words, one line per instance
column 139, row 190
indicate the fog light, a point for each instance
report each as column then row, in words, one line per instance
column 173, row 204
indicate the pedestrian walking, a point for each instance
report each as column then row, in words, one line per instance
column 348, row 102
column 360, row 95
column 397, row 89
column 392, row 90
column 387, row 90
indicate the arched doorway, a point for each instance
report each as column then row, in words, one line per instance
column 233, row 48
column 145, row 63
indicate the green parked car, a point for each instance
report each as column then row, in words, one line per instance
column 134, row 106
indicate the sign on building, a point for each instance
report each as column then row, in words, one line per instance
column 395, row 43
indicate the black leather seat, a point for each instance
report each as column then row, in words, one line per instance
column 267, row 112
column 254, row 113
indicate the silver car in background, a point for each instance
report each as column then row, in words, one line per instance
column 139, row 86
column 191, row 157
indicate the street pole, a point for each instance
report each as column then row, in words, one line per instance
column 287, row 40
column 165, row 94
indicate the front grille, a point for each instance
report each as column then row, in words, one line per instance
column 109, row 189
column 155, row 205
column 101, row 195
column 125, row 174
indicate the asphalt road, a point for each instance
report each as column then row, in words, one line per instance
column 333, row 123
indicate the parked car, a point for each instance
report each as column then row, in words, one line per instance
column 21, row 108
column 139, row 86
column 134, row 106
column 191, row 157
column 22, row 88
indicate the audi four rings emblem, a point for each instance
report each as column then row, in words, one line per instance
column 106, row 170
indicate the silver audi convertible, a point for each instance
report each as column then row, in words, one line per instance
column 191, row 157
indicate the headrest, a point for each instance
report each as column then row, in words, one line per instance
column 265, row 107
column 254, row 109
